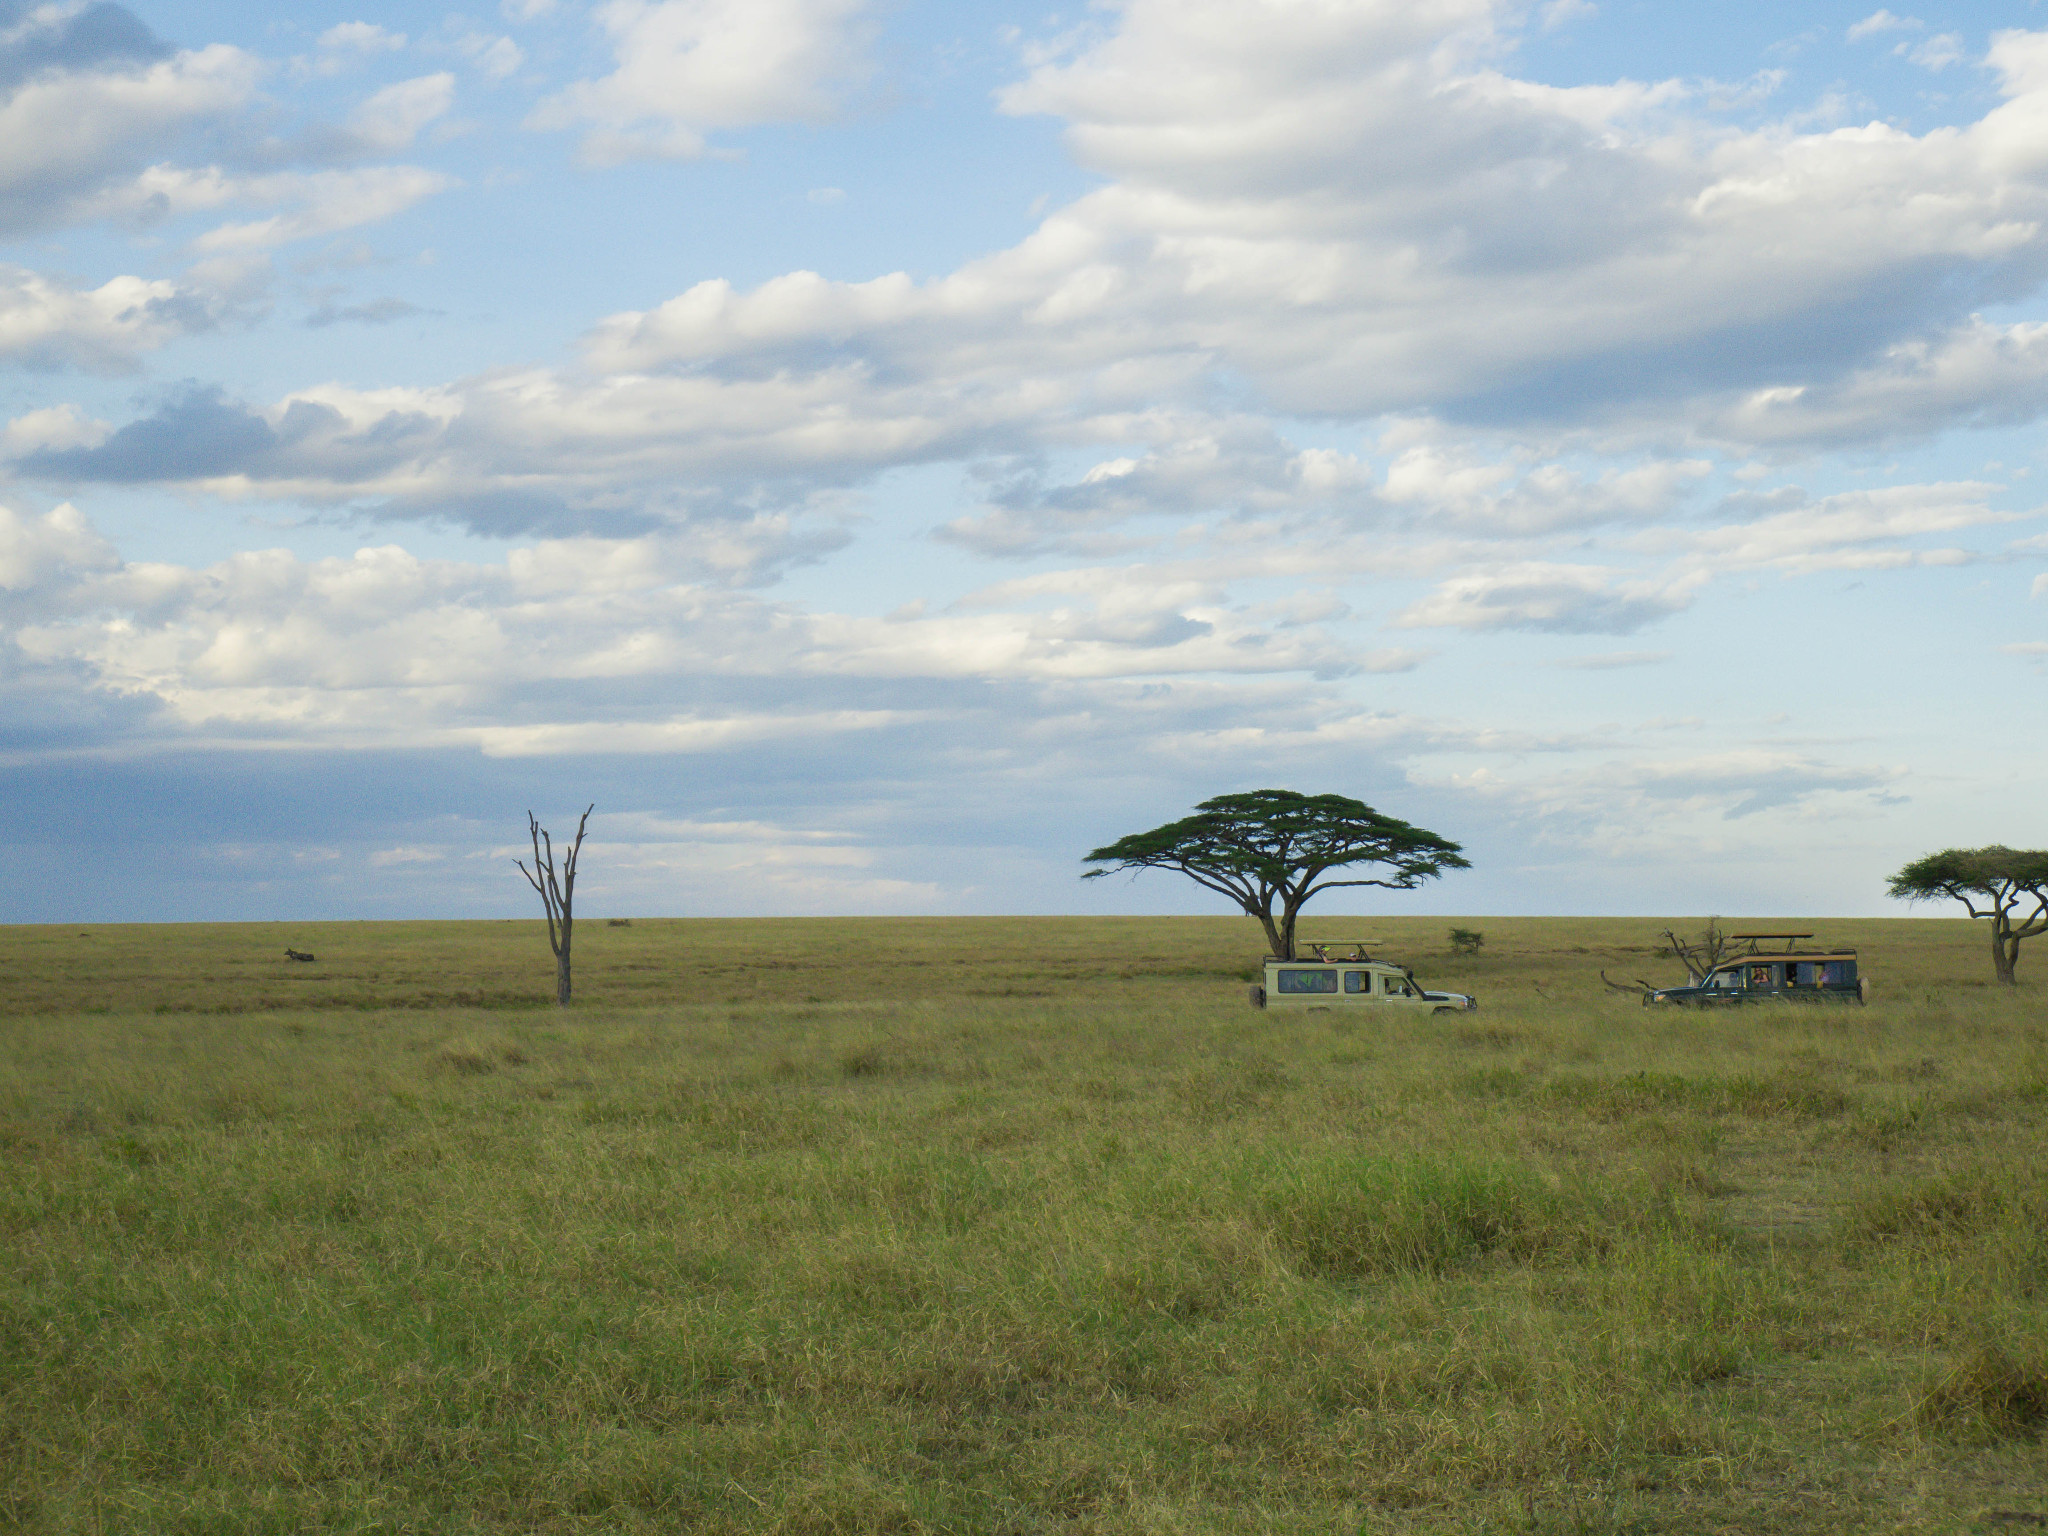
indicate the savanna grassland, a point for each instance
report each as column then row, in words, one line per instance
column 1008, row 1226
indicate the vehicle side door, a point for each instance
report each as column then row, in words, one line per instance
column 1397, row 990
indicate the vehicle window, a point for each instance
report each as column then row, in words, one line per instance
column 1760, row 978
column 1731, row 980
column 1356, row 981
column 1308, row 981
column 1836, row 973
column 1397, row 986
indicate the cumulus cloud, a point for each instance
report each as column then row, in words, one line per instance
column 361, row 37
column 44, row 323
column 1229, row 466
column 1551, row 598
column 68, row 139
column 53, row 39
column 391, row 119
column 1879, row 22
column 1854, row 530
column 59, row 546
column 553, row 649
column 1337, row 213
column 688, row 67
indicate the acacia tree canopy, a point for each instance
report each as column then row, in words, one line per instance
column 1995, row 882
column 1276, row 846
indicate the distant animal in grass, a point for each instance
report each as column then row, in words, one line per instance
column 299, row 954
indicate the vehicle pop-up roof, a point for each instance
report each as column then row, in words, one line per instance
column 1788, row 942
column 1356, row 946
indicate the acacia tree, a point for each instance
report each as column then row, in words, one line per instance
column 557, row 896
column 1275, row 846
column 1995, row 882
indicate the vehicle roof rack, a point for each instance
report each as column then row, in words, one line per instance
column 1322, row 946
column 1789, row 940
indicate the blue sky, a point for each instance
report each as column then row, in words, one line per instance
column 878, row 452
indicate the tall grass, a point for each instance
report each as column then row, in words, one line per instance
column 905, row 1252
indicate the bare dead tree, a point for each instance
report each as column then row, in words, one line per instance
column 1699, row 955
column 558, row 896
column 1642, row 987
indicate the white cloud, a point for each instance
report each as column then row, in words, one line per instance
column 44, row 323
column 688, row 67
column 69, row 138
column 391, row 119
column 1558, row 13
column 550, row 651
column 329, row 201
column 1854, row 530
column 1553, row 598
column 59, row 546
column 497, row 57
column 363, row 37
column 1879, row 22
column 54, row 427
column 1935, row 53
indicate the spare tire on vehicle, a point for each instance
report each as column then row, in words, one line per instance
column 1258, row 997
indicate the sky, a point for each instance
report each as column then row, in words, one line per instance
column 879, row 452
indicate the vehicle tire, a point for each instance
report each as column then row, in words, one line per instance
column 1437, row 1013
column 1258, row 997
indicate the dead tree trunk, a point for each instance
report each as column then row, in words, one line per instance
column 557, row 896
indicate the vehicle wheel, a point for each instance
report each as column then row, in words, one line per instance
column 1437, row 1013
column 1258, row 997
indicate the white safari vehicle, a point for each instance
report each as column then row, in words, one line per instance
column 1344, row 975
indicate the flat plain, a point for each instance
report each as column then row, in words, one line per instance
column 1009, row 1226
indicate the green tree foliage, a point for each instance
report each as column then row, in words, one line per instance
column 1995, row 882
column 1274, row 846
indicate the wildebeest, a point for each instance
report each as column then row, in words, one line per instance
column 297, row 954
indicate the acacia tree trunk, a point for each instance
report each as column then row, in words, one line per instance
column 1279, row 938
column 2005, row 949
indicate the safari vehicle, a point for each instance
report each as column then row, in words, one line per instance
column 1783, row 970
column 1343, row 974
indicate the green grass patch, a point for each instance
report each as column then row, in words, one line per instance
column 988, row 1228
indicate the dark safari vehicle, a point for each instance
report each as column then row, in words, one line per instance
column 1781, row 970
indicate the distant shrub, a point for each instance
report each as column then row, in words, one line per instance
column 618, row 922
column 1466, row 941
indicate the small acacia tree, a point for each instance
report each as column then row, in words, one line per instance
column 557, row 896
column 1995, row 882
column 1273, row 846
